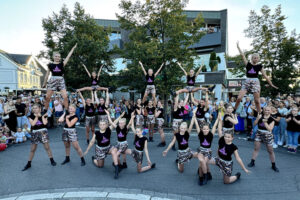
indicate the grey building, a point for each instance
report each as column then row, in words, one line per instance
column 215, row 40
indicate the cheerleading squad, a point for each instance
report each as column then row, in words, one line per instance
column 151, row 113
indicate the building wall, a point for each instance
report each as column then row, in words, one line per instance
column 27, row 80
column 8, row 74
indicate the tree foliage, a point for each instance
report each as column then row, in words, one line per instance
column 158, row 32
column 63, row 30
column 279, row 51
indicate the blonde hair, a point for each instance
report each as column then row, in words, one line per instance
column 183, row 125
column 255, row 55
column 122, row 120
column 55, row 52
column 73, row 105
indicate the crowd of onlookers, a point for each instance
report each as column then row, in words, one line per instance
column 15, row 127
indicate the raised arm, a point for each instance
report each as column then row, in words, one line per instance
column 99, row 72
column 69, row 55
column 131, row 120
column 206, row 101
column 141, row 64
column 107, row 98
column 196, row 123
column 93, row 98
column 194, row 100
column 242, row 53
column 159, row 70
column 192, row 123
column 214, row 128
column 176, row 102
column 186, row 99
column 267, row 78
column 182, row 69
column 46, row 78
column 199, row 70
column 87, row 71
column 82, row 99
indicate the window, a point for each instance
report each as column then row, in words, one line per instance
column 30, row 79
column 21, row 77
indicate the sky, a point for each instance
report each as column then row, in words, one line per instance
column 21, row 20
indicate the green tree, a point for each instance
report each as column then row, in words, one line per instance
column 63, row 30
column 279, row 51
column 158, row 32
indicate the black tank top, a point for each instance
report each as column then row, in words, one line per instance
column 161, row 115
column 70, row 119
column 56, row 69
column 139, row 142
column 178, row 114
column 190, row 81
column 200, row 112
column 121, row 133
column 252, row 70
column 227, row 123
column 182, row 140
column 261, row 124
column 103, row 139
column 150, row 79
column 138, row 108
column 151, row 110
column 101, row 109
column 90, row 110
column 94, row 81
column 205, row 140
column 39, row 124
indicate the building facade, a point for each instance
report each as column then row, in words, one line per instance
column 20, row 72
column 214, row 41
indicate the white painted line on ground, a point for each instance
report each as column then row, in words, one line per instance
column 10, row 198
column 41, row 196
column 85, row 194
column 158, row 198
column 129, row 196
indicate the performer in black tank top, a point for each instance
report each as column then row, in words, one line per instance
column 103, row 145
column 190, row 81
column 39, row 134
column 184, row 153
column 70, row 135
column 252, row 84
column 150, row 78
column 94, row 81
column 56, row 82
column 90, row 119
column 264, row 134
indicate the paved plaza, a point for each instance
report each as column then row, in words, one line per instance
column 72, row 181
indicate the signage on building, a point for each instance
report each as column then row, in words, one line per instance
column 235, row 83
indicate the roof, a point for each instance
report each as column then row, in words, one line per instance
column 21, row 59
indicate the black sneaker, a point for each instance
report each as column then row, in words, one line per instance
column 153, row 166
column 174, row 148
column 82, row 162
column 209, row 177
column 251, row 164
column 200, row 181
column 116, row 171
column 53, row 163
column 162, row 144
column 275, row 169
column 238, row 175
column 65, row 161
column 124, row 165
column 27, row 166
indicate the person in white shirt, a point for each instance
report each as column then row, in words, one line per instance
column 20, row 136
